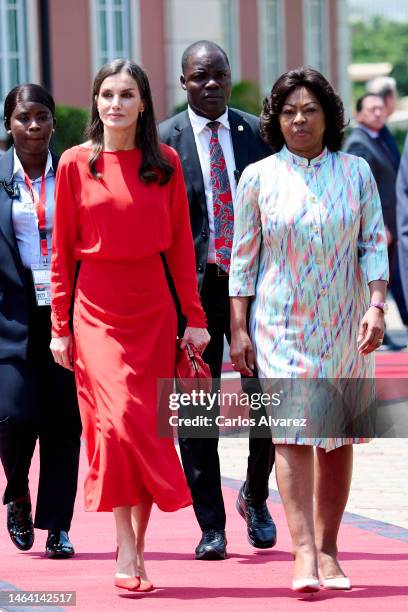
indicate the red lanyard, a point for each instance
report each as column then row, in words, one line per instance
column 39, row 203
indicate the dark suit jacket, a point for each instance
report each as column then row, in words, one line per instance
column 402, row 218
column 390, row 141
column 248, row 148
column 382, row 166
column 15, row 297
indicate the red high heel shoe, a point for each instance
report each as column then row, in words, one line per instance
column 145, row 586
column 131, row 583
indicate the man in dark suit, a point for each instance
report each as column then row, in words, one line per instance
column 402, row 217
column 365, row 141
column 386, row 87
column 209, row 136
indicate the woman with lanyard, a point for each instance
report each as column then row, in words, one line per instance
column 38, row 398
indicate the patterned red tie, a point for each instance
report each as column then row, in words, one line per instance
column 222, row 201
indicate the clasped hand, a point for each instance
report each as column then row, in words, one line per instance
column 197, row 336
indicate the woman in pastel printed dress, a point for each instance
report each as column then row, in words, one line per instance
column 309, row 245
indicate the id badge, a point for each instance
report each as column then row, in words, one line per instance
column 42, row 283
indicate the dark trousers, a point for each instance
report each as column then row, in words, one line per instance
column 38, row 401
column 200, row 456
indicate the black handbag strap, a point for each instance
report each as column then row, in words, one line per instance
column 181, row 319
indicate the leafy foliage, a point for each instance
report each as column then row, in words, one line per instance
column 381, row 40
column 70, row 127
column 246, row 96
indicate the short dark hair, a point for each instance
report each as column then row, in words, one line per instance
column 315, row 82
column 368, row 94
column 155, row 167
column 207, row 44
column 27, row 92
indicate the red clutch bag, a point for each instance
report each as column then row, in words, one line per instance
column 192, row 373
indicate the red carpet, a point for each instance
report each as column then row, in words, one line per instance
column 391, row 365
column 247, row 580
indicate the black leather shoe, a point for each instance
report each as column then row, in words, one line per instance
column 212, row 546
column 260, row 526
column 20, row 524
column 58, row 545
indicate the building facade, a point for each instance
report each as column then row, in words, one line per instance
column 62, row 44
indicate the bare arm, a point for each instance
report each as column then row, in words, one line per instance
column 242, row 353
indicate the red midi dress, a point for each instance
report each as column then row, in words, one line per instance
column 124, row 317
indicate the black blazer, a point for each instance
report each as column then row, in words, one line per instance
column 248, row 148
column 15, row 291
column 402, row 218
column 383, row 168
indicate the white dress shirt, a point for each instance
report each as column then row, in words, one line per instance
column 24, row 216
column 202, row 136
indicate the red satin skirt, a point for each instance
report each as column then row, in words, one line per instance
column 124, row 331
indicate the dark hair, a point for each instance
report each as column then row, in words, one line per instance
column 206, row 44
column 360, row 101
column 28, row 92
column 155, row 167
column 329, row 100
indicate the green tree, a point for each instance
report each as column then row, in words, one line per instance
column 70, row 128
column 246, row 96
column 381, row 40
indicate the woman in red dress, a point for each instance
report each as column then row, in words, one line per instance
column 120, row 202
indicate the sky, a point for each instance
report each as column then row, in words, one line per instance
column 391, row 9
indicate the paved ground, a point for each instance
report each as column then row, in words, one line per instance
column 379, row 486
